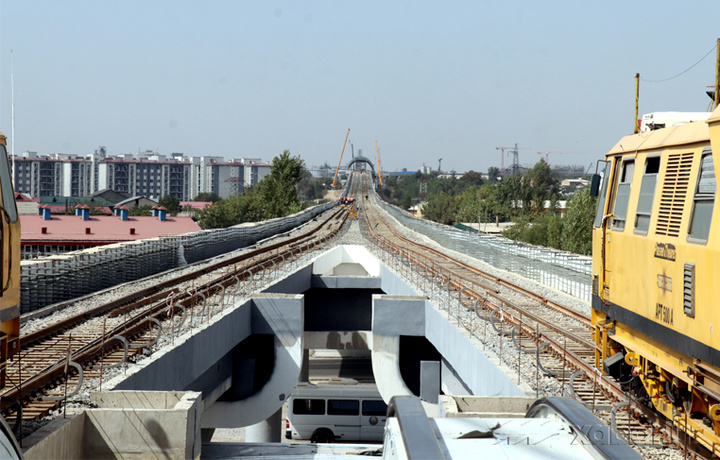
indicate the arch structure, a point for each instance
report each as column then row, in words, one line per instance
column 361, row 159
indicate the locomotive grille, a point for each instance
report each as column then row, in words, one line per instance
column 674, row 191
column 689, row 289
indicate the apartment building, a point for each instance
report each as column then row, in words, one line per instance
column 147, row 174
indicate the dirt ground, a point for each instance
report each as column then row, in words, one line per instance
column 332, row 194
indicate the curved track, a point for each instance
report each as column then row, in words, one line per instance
column 54, row 360
column 557, row 339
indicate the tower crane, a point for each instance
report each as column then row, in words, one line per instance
column 377, row 152
column 334, row 182
column 516, row 159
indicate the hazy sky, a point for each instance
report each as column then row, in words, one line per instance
column 427, row 80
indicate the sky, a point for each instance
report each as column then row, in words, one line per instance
column 424, row 79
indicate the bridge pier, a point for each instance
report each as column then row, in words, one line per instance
column 269, row 430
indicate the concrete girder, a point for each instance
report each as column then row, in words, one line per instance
column 463, row 364
column 393, row 316
column 201, row 360
column 282, row 316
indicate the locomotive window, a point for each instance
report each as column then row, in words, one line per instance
column 703, row 202
column 623, row 195
column 6, row 188
column 603, row 194
column 647, row 195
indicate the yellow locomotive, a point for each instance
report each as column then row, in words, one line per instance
column 656, row 273
column 10, row 270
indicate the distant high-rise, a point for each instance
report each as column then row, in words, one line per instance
column 146, row 174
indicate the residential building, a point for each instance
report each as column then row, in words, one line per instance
column 148, row 174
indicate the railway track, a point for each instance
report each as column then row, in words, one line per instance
column 542, row 338
column 537, row 336
column 55, row 360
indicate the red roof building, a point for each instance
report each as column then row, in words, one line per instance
column 55, row 234
column 197, row 205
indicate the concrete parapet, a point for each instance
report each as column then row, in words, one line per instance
column 127, row 424
column 347, row 260
column 485, row 406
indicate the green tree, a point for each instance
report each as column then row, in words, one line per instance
column 511, row 196
column 545, row 230
column 538, row 186
column 577, row 229
column 219, row 215
column 406, row 201
column 274, row 196
column 171, row 203
column 441, row 208
column 278, row 189
column 207, row 196
column 493, row 174
column 140, row 211
column 472, row 178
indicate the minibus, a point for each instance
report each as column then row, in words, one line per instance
column 330, row 412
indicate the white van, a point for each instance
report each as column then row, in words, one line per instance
column 335, row 412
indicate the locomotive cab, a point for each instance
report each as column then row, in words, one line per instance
column 656, row 253
column 10, row 271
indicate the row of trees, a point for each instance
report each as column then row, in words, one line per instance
column 528, row 199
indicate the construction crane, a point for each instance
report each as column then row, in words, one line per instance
column 334, row 182
column 547, row 155
column 516, row 157
column 377, row 153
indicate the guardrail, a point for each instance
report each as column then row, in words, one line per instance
column 565, row 271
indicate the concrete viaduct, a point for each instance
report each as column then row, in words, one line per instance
column 247, row 362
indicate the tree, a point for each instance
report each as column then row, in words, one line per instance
column 577, row 228
column 274, row 196
column 140, row 211
column 406, row 201
column 278, row 189
column 493, row 174
column 171, row 203
column 207, row 196
column 538, row 186
column 441, row 208
column 472, row 178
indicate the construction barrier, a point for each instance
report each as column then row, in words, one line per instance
column 62, row 277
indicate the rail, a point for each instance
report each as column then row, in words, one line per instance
column 565, row 271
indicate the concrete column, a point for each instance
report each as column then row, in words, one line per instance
column 269, row 430
column 305, row 367
column 429, row 381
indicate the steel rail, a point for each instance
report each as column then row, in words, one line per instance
column 257, row 260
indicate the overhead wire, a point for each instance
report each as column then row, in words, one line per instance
column 684, row 71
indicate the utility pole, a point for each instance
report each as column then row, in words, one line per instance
column 516, row 157
column 637, row 101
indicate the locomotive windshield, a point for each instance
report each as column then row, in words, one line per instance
column 8, row 195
